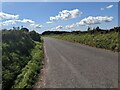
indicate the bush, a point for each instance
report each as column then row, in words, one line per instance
column 35, row 36
column 28, row 75
column 16, row 53
column 107, row 41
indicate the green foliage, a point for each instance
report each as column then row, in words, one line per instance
column 108, row 41
column 28, row 75
column 16, row 53
column 35, row 36
column 24, row 30
column 96, row 30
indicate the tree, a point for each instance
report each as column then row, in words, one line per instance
column 97, row 29
column 89, row 29
column 24, row 29
column 14, row 28
column 35, row 36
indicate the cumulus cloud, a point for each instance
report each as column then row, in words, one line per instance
column 27, row 21
column 59, row 27
column 91, row 20
column 14, row 21
column 71, row 26
column 36, row 25
column 8, row 22
column 66, row 14
column 5, row 16
column 95, row 20
column 110, row 6
column 56, row 28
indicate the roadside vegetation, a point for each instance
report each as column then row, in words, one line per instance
column 22, row 55
column 27, row 77
column 106, row 39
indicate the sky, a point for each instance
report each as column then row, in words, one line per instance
column 67, row 16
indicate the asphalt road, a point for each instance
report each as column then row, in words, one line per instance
column 72, row 65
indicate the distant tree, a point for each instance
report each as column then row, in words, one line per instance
column 35, row 36
column 14, row 28
column 21, row 26
column 24, row 29
column 97, row 29
column 117, row 29
column 18, row 28
column 88, row 29
column 54, row 32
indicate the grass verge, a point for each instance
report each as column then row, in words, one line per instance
column 108, row 41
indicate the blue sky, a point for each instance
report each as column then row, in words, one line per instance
column 40, row 13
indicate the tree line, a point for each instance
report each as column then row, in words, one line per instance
column 89, row 30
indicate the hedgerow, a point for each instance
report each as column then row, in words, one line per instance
column 27, row 77
column 108, row 41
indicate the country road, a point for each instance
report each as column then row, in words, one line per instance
column 72, row 65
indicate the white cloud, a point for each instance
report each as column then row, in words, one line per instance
column 27, row 21
column 14, row 21
column 49, row 22
column 110, row 6
column 8, row 22
column 5, row 16
column 66, row 14
column 95, row 20
column 36, row 25
column 59, row 27
column 107, row 7
column 71, row 26
column 90, row 21
column 56, row 28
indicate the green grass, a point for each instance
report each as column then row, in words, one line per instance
column 30, row 73
column 108, row 41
